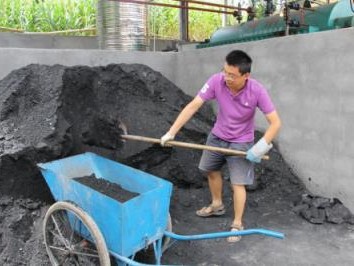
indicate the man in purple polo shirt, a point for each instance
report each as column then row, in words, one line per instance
column 238, row 96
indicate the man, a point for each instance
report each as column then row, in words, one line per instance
column 238, row 96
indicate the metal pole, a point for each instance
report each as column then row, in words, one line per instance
column 287, row 12
column 209, row 4
column 183, row 24
column 153, row 30
column 179, row 6
column 224, row 17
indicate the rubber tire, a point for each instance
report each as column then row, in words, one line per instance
column 90, row 225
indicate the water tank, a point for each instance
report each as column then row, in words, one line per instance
column 121, row 26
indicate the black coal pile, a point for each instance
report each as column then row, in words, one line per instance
column 51, row 112
column 21, row 241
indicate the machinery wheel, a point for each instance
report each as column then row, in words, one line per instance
column 72, row 237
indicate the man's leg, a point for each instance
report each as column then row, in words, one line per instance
column 211, row 163
column 241, row 174
column 239, row 203
column 215, row 186
column 239, row 198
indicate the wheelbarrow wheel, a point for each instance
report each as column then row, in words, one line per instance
column 72, row 237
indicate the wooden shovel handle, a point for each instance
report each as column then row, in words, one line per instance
column 189, row 145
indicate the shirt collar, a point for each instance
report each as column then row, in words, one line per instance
column 239, row 92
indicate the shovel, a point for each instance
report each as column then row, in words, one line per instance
column 190, row 145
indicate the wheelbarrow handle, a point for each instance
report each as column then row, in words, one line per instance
column 189, row 145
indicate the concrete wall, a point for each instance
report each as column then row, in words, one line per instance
column 310, row 78
column 41, row 41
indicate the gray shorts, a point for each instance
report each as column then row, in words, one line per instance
column 241, row 170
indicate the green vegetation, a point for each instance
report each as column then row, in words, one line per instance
column 60, row 15
column 47, row 15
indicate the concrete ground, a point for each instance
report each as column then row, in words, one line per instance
column 304, row 243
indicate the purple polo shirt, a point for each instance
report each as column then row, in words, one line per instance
column 235, row 118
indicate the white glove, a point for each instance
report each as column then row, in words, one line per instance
column 165, row 138
column 257, row 151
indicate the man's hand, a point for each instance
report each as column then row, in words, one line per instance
column 166, row 138
column 257, row 151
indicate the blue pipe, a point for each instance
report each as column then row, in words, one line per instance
column 126, row 261
column 224, row 234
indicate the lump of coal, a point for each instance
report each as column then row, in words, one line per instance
column 51, row 112
column 314, row 215
column 319, row 210
column 338, row 214
column 106, row 187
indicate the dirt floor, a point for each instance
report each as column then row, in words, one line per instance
column 51, row 112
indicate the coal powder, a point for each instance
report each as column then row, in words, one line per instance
column 106, row 187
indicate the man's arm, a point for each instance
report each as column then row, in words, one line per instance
column 274, row 126
column 255, row 153
column 186, row 114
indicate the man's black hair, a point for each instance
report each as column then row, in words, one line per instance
column 241, row 60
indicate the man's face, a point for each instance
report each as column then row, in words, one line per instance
column 233, row 78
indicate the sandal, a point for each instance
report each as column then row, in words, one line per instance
column 211, row 211
column 235, row 228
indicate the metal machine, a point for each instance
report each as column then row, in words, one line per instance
column 304, row 20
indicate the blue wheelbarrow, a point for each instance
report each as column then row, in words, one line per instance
column 87, row 227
